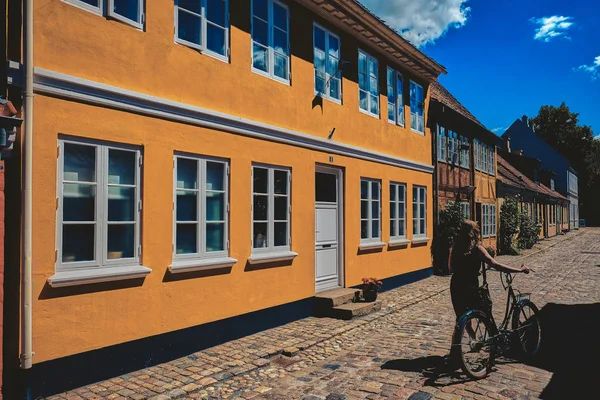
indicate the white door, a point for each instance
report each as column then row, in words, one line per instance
column 328, row 255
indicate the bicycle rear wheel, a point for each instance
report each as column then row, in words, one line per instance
column 473, row 345
column 527, row 325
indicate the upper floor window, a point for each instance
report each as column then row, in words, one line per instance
column 465, row 208
column 397, row 210
column 370, row 210
column 419, row 211
column 491, row 167
column 395, row 92
column 442, row 143
column 271, row 39
column 128, row 11
column 99, row 205
column 453, row 147
column 417, row 107
column 271, row 209
column 204, row 25
column 464, row 152
column 368, row 83
column 201, row 208
column 326, row 48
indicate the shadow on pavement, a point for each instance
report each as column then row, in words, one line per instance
column 438, row 370
column 570, row 349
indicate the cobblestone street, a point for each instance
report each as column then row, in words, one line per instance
column 398, row 352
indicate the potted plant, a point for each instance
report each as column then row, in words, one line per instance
column 370, row 287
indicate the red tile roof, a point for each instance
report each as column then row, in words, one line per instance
column 509, row 175
column 441, row 94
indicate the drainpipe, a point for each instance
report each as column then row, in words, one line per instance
column 26, row 289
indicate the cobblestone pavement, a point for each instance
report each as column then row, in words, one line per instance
column 394, row 353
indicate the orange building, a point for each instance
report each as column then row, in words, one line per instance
column 194, row 164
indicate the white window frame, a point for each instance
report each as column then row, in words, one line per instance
column 465, row 207
column 270, row 25
column 201, row 208
column 477, row 154
column 442, row 144
column 374, row 184
column 484, row 157
column 271, row 248
column 465, row 159
column 485, row 213
column 453, row 143
column 101, row 260
column 492, row 224
column 491, row 159
column 419, row 103
column 369, row 58
column 204, row 31
column 328, row 34
column 421, row 200
column 398, row 204
column 88, row 7
column 113, row 14
column 397, row 81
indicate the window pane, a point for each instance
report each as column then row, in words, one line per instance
column 320, row 82
column 192, row 5
column 375, row 228
column 334, row 88
column 401, row 228
column 79, row 163
column 121, row 167
column 215, row 39
column 401, row 194
column 319, row 60
column 422, row 231
column 362, row 81
column 187, row 209
column 373, row 89
column 364, row 101
column 280, row 17
column 186, row 241
column 374, row 209
column 280, row 41
column 260, row 235
column 215, row 206
column 362, row 63
column 215, row 173
column 187, row 173
column 364, row 229
column 392, row 112
column 364, row 209
column 332, row 65
column 188, row 27
column 319, row 39
column 415, row 195
column 281, row 208
column 372, row 68
column 416, row 227
column 402, row 210
column 422, row 210
column 281, row 181
column 260, row 57
column 78, row 243
column 393, row 226
column 281, row 238
column 325, row 187
column 260, row 208
column 374, row 105
column 215, row 11
column 79, row 202
column 121, row 204
column 128, row 9
column 375, row 191
column 281, row 66
column 261, row 179
column 393, row 210
column 215, row 234
column 260, row 9
column 334, row 47
column 121, row 241
column 364, row 189
column 260, row 32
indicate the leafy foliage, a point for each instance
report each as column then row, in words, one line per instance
column 509, row 226
column 559, row 127
column 451, row 218
column 529, row 232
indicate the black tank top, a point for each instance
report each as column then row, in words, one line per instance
column 466, row 267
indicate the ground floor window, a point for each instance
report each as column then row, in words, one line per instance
column 465, row 207
column 419, row 211
column 370, row 210
column 397, row 210
column 488, row 216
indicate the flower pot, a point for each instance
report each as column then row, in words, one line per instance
column 370, row 295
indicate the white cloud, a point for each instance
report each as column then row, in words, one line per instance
column 421, row 21
column 552, row 27
column 498, row 129
column 593, row 69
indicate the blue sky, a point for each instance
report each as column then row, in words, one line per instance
column 506, row 58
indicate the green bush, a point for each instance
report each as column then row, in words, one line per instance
column 451, row 218
column 529, row 232
column 509, row 226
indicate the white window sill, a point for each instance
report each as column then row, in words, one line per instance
column 399, row 242
column 419, row 240
column 328, row 98
column 369, row 113
column 202, row 50
column 96, row 275
column 198, row 265
column 272, row 257
column 371, row 245
column 417, row 132
column 270, row 76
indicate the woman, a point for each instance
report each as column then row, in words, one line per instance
column 465, row 262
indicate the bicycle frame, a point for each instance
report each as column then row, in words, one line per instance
column 512, row 301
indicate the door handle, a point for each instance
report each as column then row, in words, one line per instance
column 326, row 246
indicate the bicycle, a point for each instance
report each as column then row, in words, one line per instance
column 479, row 340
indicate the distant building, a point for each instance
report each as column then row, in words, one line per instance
column 522, row 137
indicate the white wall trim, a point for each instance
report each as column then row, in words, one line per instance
column 97, row 275
column 86, row 91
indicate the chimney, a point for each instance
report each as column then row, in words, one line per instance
column 506, row 139
column 525, row 120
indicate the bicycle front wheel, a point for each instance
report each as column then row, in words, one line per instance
column 473, row 344
column 526, row 324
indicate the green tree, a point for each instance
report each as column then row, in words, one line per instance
column 509, row 226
